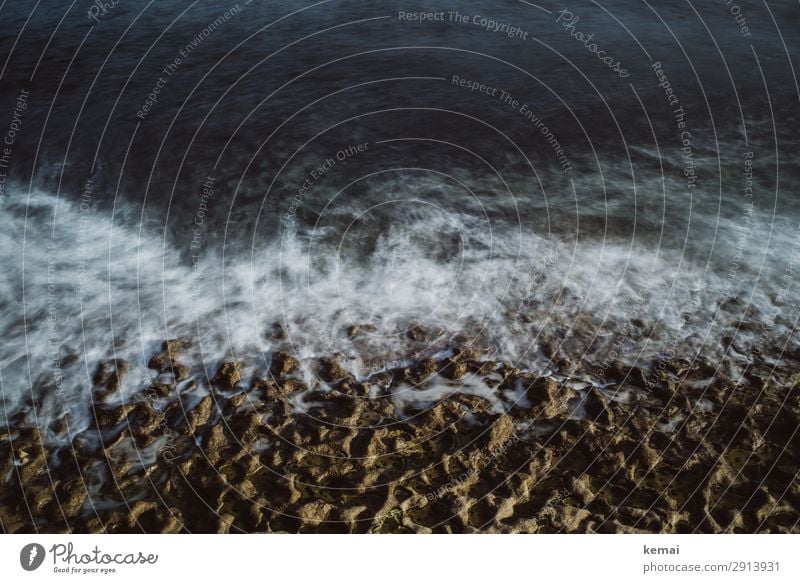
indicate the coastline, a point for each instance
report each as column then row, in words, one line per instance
column 457, row 444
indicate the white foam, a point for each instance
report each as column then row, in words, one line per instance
column 115, row 293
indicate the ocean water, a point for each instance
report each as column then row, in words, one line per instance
column 262, row 176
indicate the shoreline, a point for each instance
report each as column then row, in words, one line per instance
column 452, row 445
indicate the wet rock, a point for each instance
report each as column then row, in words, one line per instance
column 215, row 443
column 246, row 426
column 482, row 513
column 159, row 362
column 290, row 386
column 315, row 511
column 474, row 404
column 166, row 361
column 447, row 412
column 598, row 408
column 108, row 417
column 502, row 433
column 71, row 495
column 179, row 371
column 149, row 517
column 278, row 332
column 332, row 370
column 359, row 329
column 110, row 374
column 425, row 368
column 466, row 353
column 175, row 346
column 268, row 389
column 143, row 423
column 228, row 376
column 547, row 397
column 353, row 388
column 32, row 464
column 201, row 414
column 448, row 466
column 416, row 333
column 158, row 390
column 481, row 368
column 283, row 364
column 437, row 512
column 454, row 369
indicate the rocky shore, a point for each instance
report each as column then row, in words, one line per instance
column 458, row 444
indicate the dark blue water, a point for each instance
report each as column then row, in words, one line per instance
column 215, row 170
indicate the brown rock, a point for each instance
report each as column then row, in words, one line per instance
column 228, row 375
column 201, row 414
column 501, row 433
column 167, row 359
column 315, row 511
column 481, row 367
column 331, row 369
column 283, row 364
column 143, row 421
column 455, row 369
column 359, row 329
column 215, row 444
column 110, row 374
column 426, row 368
column 246, row 426
column 416, row 333
column 465, row 353
column 546, row 396
column 107, row 418
column 175, row 346
column 353, row 388
column 71, row 497
column 180, row 371
column 158, row 362
column 598, row 408
column 33, row 465
column 293, row 386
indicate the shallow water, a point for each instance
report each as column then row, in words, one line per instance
column 308, row 168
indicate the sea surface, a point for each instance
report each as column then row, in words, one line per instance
column 265, row 175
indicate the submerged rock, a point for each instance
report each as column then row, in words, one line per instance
column 110, row 374
column 359, row 330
